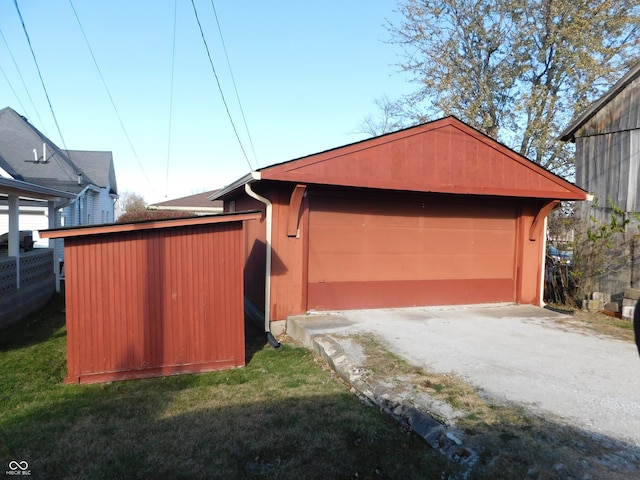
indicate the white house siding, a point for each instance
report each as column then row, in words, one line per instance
column 31, row 218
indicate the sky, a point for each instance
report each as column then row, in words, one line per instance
column 306, row 72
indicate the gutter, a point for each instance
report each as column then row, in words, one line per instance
column 248, row 178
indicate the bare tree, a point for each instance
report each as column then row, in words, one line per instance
column 389, row 118
column 517, row 70
column 129, row 202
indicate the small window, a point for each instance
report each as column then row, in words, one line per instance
column 232, row 206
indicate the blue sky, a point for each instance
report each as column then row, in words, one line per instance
column 307, row 73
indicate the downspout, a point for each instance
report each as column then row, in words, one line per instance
column 267, row 281
column 544, row 264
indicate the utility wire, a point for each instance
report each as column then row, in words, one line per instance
column 24, row 28
column 173, row 62
column 233, row 80
column 13, row 89
column 113, row 104
column 195, row 11
column 23, row 84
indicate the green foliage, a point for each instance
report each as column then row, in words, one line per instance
column 517, row 70
column 145, row 215
column 602, row 247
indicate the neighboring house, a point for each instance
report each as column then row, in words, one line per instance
column 607, row 139
column 27, row 278
column 198, row 204
column 431, row 215
column 28, row 155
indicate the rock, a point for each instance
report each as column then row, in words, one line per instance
column 627, row 312
column 612, row 307
column 632, row 293
column 601, row 297
column 594, row 305
column 453, row 438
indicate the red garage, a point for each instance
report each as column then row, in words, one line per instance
column 431, row 215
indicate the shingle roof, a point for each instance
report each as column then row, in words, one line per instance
column 98, row 166
column 29, row 155
column 199, row 200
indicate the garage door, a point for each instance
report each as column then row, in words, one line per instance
column 396, row 253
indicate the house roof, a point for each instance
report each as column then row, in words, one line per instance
column 198, row 202
column 569, row 133
column 98, row 166
column 10, row 186
column 443, row 156
column 28, row 155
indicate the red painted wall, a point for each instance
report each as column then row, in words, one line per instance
column 154, row 302
column 293, row 278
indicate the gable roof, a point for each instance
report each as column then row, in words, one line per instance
column 569, row 133
column 197, row 202
column 28, row 155
column 443, row 156
column 97, row 166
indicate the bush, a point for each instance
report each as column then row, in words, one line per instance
column 142, row 215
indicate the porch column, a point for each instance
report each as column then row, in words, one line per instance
column 14, row 233
column 53, row 242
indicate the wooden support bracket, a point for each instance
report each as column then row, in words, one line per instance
column 295, row 206
column 538, row 221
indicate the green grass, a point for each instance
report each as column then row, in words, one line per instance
column 284, row 415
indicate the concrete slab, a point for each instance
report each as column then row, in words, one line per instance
column 514, row 353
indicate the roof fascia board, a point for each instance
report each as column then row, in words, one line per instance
column 148, row 225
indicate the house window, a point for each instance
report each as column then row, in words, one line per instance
column 232, row 206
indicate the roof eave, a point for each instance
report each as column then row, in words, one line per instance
column 568, row 134
column 241, row 182
column 31, row 190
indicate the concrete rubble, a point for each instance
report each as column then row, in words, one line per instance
column 431, row 419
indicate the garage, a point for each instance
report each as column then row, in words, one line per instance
column 403, row 252
column 436, row 214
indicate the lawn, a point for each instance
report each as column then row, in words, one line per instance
column 284, row 415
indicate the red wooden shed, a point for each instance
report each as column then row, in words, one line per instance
column 154, row 298
column 431, row 215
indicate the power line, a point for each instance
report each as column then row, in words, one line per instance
column 12, row 89
column 233, row 80
column 113, row 104
column 173, row 62
column 24, row 28
column 23, row 84
column 195, row 11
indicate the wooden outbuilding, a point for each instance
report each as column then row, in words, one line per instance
column 607, row 139
column 154, row 298
column 431, row 215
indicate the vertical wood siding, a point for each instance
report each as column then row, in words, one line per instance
column 608, row 166
column 156, row 302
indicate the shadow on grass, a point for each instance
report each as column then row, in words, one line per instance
column 282, row 416
column 35, row 328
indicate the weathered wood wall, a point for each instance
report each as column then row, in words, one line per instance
column 608, row 167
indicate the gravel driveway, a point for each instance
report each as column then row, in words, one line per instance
column 515, row 353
